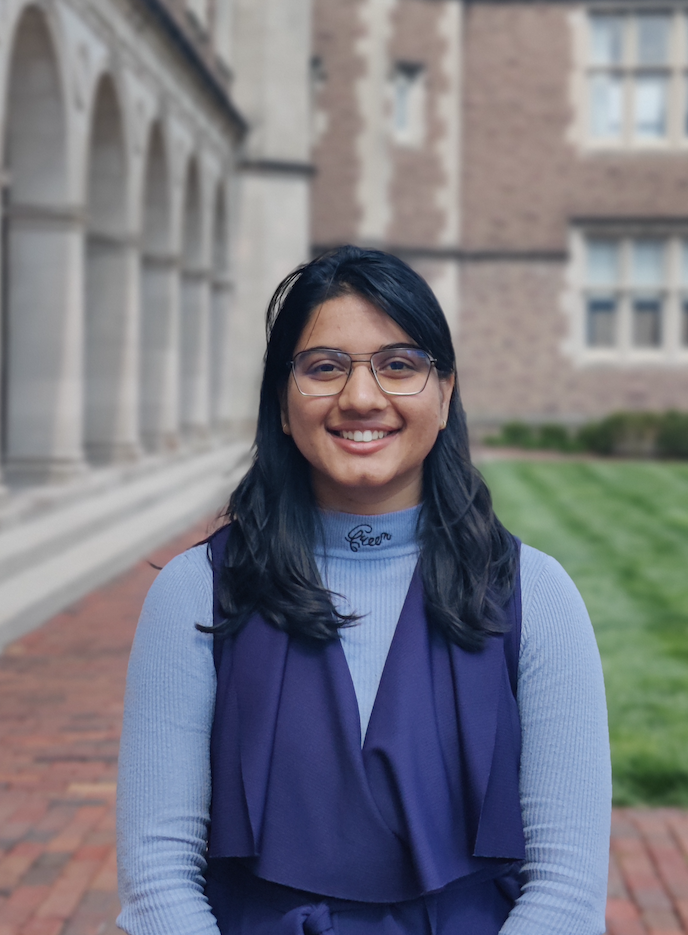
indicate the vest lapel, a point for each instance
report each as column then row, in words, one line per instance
column 431, row 796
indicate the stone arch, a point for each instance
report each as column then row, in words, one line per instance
column 220, row 406
column 195, row 313
column 109, row 433
column 42, row 264
column 159, row 302
column 35, row 143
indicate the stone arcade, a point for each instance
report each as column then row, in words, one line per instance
column 153, row 192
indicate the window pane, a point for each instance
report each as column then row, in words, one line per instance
column 647, row 322
column 652, row 38
column 650, row 106
column 407, row 111
column 603, row 262
column 605, row 105
column 648, row 263
column 602, row 321
column 606, row 45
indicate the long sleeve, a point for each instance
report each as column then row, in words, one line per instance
column 565, row 767
column 164, row 783
column 164, row 768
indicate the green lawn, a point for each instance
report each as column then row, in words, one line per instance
column 621, row 532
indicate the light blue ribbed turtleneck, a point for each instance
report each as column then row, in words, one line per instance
column 165, row 783
column 370, row 559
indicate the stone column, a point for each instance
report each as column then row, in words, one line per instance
column 3, row 309
column 160, row 301
column 44, row 354
column 221, row 355
column 195, row 355
column 112, row 310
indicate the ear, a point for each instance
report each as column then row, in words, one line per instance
column 284, row 412
column 446, row 389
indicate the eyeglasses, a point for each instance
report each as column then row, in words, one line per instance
column 398, row 371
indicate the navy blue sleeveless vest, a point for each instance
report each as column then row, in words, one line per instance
column 417, row 832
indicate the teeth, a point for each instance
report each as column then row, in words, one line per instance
column 366, row 436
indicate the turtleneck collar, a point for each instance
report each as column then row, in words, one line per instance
column 352, row 536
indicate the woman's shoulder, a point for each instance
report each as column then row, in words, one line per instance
column 551, row 603
column 181, row 595
column 189, row 569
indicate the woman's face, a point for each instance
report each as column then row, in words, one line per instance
column 357, row 476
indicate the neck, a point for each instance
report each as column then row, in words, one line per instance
column 367, row 501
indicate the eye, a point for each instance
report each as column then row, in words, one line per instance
column 321, row 367
column 401, row 363
column 398, row 364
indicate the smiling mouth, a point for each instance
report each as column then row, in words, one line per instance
column 367, row 435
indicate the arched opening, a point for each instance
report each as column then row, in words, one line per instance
column 42, row 268
column 159, row 301
column 219, row 321
column 195, row 316
column 109, row 345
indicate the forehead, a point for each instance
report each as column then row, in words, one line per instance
column 351, row 323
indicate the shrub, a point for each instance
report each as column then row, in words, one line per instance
column 555, row 437
column 597, row 437
column 519, row 434
column 514, row 434
column 672, row 437
column 633, row 434
column 629, row 434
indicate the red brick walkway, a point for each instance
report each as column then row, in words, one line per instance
column 60, row 709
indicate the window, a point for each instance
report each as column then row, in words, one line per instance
column 634, row 296
column 684, row 296
column 319, row 114
column 637, row 76
column 408, row 102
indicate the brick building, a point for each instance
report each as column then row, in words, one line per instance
column 531, row 160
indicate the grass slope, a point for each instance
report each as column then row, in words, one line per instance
column 621, row 532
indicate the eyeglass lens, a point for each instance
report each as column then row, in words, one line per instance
column 401, row 371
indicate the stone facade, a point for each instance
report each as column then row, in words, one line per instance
column 147, row 176
column 155, row 187
column 495, row 197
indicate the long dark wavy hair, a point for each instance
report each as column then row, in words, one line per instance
column 467, row 558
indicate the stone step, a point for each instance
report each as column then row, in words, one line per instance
column 49, row 560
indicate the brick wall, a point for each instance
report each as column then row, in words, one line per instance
column 510, row 360
column 524, row 179
column 523, row 175
column 416, row 179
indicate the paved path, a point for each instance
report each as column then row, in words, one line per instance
column 60, row 709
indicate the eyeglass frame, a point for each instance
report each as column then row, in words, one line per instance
column 362, row 358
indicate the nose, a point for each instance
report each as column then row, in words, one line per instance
column 361, row 393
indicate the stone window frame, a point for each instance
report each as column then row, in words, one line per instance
column 673, row 349
column 676, row 137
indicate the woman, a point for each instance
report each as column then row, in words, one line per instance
column 362, row 707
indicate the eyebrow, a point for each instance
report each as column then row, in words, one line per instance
column 384, row 347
